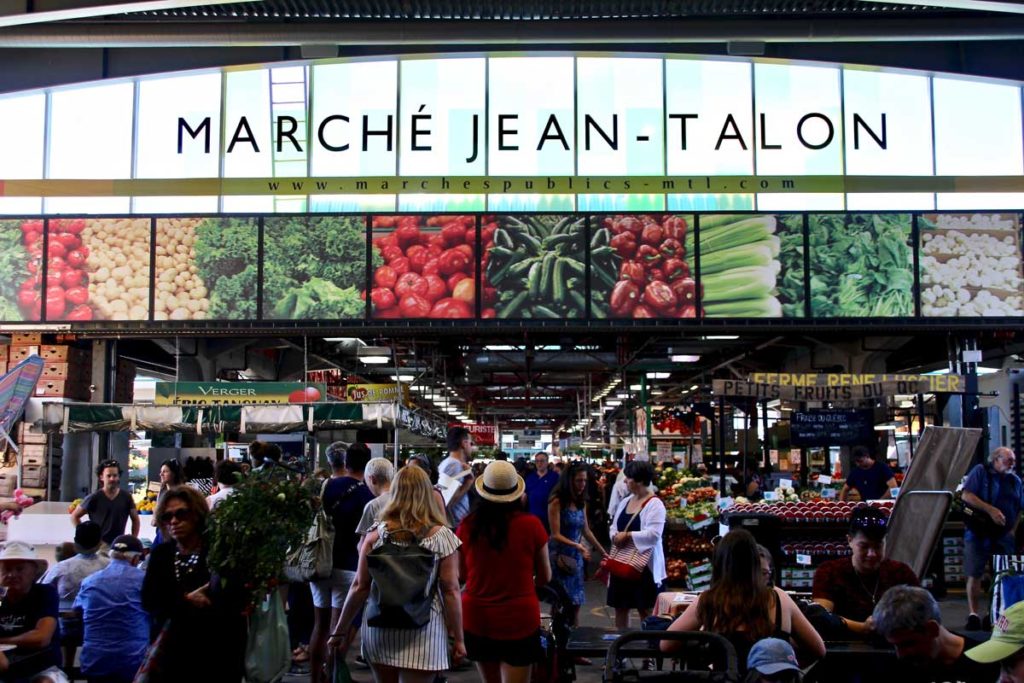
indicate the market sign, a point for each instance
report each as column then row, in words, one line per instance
column 237, row 393
column 421, row 424
column 832, row 427
column 836, row 387
column 483, row 435
column 375, row 393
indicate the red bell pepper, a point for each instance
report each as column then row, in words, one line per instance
column 685, row 289
column 624, row 297
column 672, row 247
column 653, row 234
column 674, row 269
column 675, row 226
column 633, row 271
column 648, row 255
column 642, row 311
column 624, row 244
column 660, row 297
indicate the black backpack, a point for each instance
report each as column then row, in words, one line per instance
column 404, row 581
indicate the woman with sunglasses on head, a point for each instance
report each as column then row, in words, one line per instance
column 741, row 607
column 204, row 632
column 170, row 476
column 850, row 587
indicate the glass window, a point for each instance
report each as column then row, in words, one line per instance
column 163, row 105
column 799, row 122
column 365, row 93
column 21, row 151
column 189, row 204
column 452, row 93
column 247, row 93
column 91, row 132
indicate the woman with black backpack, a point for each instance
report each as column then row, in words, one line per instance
column 408, row 580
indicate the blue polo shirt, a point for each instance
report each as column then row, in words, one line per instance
column 870, row 483
column 538, row 490
column 116, row 627
column 1004, row 491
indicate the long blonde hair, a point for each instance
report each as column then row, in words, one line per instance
column 412, row 504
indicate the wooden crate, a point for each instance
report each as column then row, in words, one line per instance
column 4, row 351
column 19, row 353
column 26, row 338
column 34, row 475
column 61, row 388
column 24, row 435
column 55, row 371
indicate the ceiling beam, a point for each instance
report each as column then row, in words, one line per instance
column 1004, row 6
column 444, row 34
column 16, row 13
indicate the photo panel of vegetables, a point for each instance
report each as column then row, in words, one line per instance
column 206, row 269
column 641, row 266
column 98, row 269
column 970, row 265
column 314, row 267
column 21, row 256
column 862, row 265
column 423, row 267
column 536, row 267
column 751, row 266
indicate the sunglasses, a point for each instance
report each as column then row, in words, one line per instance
column 181, row 514
column 110, row 463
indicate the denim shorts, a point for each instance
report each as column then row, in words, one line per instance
column 978, row 550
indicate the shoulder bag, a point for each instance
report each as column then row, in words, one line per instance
column 976, row 519
column 314, row 559
column 624, row 561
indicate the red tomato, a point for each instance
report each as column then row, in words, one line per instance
column 382, row 299
column 72, row 278
column 451, row 308
column 391, row 253
column 467, row 250
column 57, row 248
column 387, row 241
column 436, row 240
column 77, row 295
column 431, row 267
column 54, row 277
column 385, row 221
column 415, row 306
column 401, row 265
column 385, row 276
column 471, row 235
column 455, row 279
column 390, row 314
column 408, row 232
column 488, row 313
column 453, row 261
column 57, row 263
column 410, row 283
column 55, row 303
column 27, row 297
column 490, row 294
column 465, row 290
column 453, row 234
column 75, row 227
column 418, row 258
column 436, row 288
column 75, row 258
column 68, row 240
column 79, row 313
column 307, row 395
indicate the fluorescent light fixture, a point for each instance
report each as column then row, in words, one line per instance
column 658, row 375
column 721, row 337
column 980, row 370
column 622, row 394
column 694, row 387
column 635, row 387
column 374, row 355
column 613, row 404
column 684, row 358
column 885, row 428
column 596, row 413
column 657, row 392
column 501, row 347
column 403, row 378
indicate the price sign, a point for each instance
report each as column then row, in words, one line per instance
column 894, row 491
column 771, row 496
column 828, row 494
column 824, row 479
column 725, row 503
column 803, row 559
column 785, row 483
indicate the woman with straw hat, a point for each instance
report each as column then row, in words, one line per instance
column 504, row 560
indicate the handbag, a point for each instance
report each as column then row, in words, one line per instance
column 404, row 579
column 566, row 563
column 314, row 559
column 976, row 519
column 150, row 669
column 268, row 649
column 625, row 561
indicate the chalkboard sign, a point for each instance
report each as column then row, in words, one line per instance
column 832, row 428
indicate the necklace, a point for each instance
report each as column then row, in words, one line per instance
column 185, row 565
column 873, row 594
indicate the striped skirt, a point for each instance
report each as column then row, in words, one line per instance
column 422, row 649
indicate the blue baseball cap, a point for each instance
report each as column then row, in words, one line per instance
column 770, row 656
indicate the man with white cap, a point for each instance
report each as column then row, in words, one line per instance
column 28, row 614
column 116, row 626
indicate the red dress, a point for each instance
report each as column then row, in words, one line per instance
column 500, row 601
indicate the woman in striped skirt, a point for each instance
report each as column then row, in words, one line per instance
column 410, row 655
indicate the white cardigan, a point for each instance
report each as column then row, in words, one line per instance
column 652, row 526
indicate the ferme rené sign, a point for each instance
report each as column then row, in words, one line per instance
column 835, row 387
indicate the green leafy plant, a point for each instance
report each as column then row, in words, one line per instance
column 251, row 530
column 226, row 256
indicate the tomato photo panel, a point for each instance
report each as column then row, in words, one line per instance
column 21, row 257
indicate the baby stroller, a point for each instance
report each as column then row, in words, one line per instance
column 557, row 666
column 704, row 650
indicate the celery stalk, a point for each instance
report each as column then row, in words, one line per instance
column 748, row 308
column 758, row 254
column 740, row 283
column 734, row 234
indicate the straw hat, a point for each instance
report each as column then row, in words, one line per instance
column 500, row 483
column 16, row 550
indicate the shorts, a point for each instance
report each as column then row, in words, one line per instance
column 523, row 652
column 332, row 591
column 71, row 631
column 978, row 551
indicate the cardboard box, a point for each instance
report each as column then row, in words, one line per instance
column 20, row 353
column 61, row 388
column 55, row 371
column 26, row 338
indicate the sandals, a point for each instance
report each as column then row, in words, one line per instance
column 300, row 655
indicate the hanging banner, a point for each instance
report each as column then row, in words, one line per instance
column 836, row 387
column 483, row 435
column 832, row 427
column 375, row 393
column 237, row 393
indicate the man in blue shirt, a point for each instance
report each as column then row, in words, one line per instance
column 993, row 488
column 872, row 479
column 116, row 626
column 539, row 485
